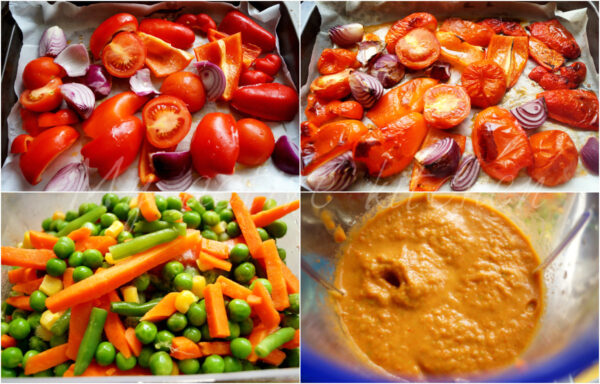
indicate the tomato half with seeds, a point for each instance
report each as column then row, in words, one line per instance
column 40, row 71
column 124, row 55
column 418, row 49
column 554, row 158
column 42, row 99
column 167, row 121
column 446, row 106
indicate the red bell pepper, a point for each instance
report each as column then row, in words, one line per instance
column 44, row 148
column 60, row 117
column 249, row 51
column 254, row 77
column 269, row 101
column 269, row 64
column 201, row 22
column 30, row 122
column 145, row 170
column 235, row 21
column 175, row 34
column 21, row 143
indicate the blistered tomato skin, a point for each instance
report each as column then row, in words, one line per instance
column 555, row 158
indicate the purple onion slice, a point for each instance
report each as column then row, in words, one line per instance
column 346, row 35
column 441, row 158
column 532, row 114
column 366, row 89
column 335, row 175
column 467, row 173
column 589, row 155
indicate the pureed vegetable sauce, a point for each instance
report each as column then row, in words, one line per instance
column 439, row 285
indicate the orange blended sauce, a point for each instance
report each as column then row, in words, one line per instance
column 439, row 285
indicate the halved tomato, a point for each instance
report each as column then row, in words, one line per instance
column 485, row 82
column 167, row 121
column 407, row 24
column 554, row 158
column 43, row 99
column 418, row 49
column 40, row 71
column 110, row 27
column 446, row 106
column 124, row 55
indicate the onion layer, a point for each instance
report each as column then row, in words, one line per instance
column 141, row 83
column 589, row 155
column 366, row 89
column 532, row 114
column 53, row 42
column 369, row 50
column 335, row 175
column 99, row 81
column 440, row 158
column 180, row 183
column 80, row 98
column 213, row 79
column 346, row 35
column 388, row 70
column 74, row 59
column 467, row 173
column 169, row 165
column 72, row 177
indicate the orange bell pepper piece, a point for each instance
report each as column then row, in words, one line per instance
column 456, row 51
column 511, row 54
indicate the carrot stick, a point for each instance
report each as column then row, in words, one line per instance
column 259, row 332
column 80, row 317
column 8, row 341
column 147, row 205
column 28, row 287
column 207, row 262
column 114, row 328
column 275, row 275
column 257, row 204
column 232, row 289
column 68, row 277
column 80, row 234
column 183, row 348
column 135, row 345
column 265, row 310
column 21, row 275
column 218, row 326
column 294, row 343
column 253, row 300
column 265, row 218
column 163, row 309
column 274, row 358
column 112, row 278
column 100, row 243
column 28, row 258
column 247, row 226
column 42, row 240
column 21, row 302
column 45, row 360
column 220, row 348
column 94, row 369
column 215, row 248
column 291, row 281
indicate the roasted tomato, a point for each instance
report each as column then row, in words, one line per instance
column 574, row 107
column 42, row 99
column 186, row 86
column 40, row 71
column 410, row 22
column 320, row 112
column 332, row 87
column 556, row 36
column 554, row 158
column 124, row 55
column 400, row 101
column 500, row 144
column 61, row 117
column 176, row 34
column 256, row 142
column 456, row 51
column 389, row 150
column 544, row 55
column 472, row 33
column 111, row 111
column 446, row 106
column 336, row 60
column 215, row 145
column 511, row 54
column 167, row 121
column 109, row 28
column 485, row 83
column 568, row 77
column 504, row 27
column 418, row 49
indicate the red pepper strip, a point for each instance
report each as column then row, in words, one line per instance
column 253, row 33
column 21, row 143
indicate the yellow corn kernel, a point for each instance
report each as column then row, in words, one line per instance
column 198, row 284
column 51, row 285
column 115, row 228
column 43, row 333
column 220, row 228
column 130, row 294
column 133, row 203
column 26, row 241
column 109, row 259
column 184, row 299
column 58, row 215
column 48, row 318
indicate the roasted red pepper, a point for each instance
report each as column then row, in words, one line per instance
column 269, row 64
column 254, row 77
column 21, row 143
column 175, row 34
column 320, row 112
column 269, row 101
column 253, row 33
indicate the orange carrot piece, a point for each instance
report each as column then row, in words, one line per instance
column 100, row 243
column 220, row 348
column 274, row 358
column 135, row 345
column 112, row 278
column 68, row 277
column 247, row 226
column 27, row 258
column 291, row 281
column 163, row 309
column 265, row 310
column 257, row 204
column 80, row 234
column 114, row 328
column 29, row 287
column 21, row 275
column 207, row 262
column 21, row 302
column 183, row 348
column 184, row 196
column 294, row 343
column 215, row 248
column 147, row 206
column 218, row 326
column 253, row 300
column 232, row 289
column 94, row 369
column 259, row 332
column 264, row 218
column 42, row 240
column 8, row 341
column 275, row 275
column 80, row 317
column 45, row 360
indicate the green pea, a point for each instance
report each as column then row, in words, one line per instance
column 110, row 200
column 196, row 314
column 241, row 347
column 294, row 303
column 81, row 272
column 163, row 340
column 277, row 229
column 145, row 354
column 18, row 313
column 125, row 364
column 210, row 235
column 11, row 357
column 210, row 218
column 221, row 205
column 213, row 364
column 54, row 224
column 133, row 216
column 234, row 330
column 292, row 358
column 193, row 334
column 76, row 259
column 264, row 282
column 64, row 247
column 177, row 322
column 46, row 224
column 246, row 326
column 56, row 267
column 60, row 369
column 239, row 310
column 174, row 202
column 4, row 327
column 123, row 236
column 92, row 258
column 161, row 202
column 52, row 233
column 37, row 343
column 161, row 364
column 93, row 227
column 57, row 340
column 172, row 215
column 291, row 320
column 183, row 281
column 223, row 236
column 9, row 372
column 60, row 224
column 205, row 332
column 244, row 272
column 282, row 253
column 232, row 364
column 107, row 219
column 121, row 210
column 195, row 205
column 46, row 373
column 269, row 204
column 189, row 366
column 207, row 202
column 125, row 199
column 264, row 235
column 146, row 332
column 142, row 282
column 192, row 219
column 105, row 353
column 71, row 215
column 233, row 229
column 19, row 329
column 239, row 253
column 86, row 207
column 172, row 269
column 37, row 301
column 226, row 215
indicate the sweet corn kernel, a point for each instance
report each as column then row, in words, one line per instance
column 184, row 299
column 115, row 228
column 58, row 215
column 108, row 257
column 51, row 285
column 133, row 203
column 49, row 318
column 26, row 241
column 43, row 333
column 198, row 284
column 220, row 228
column 130, row 294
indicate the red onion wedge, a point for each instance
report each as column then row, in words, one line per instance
column 213, row 79
column 98, row 80
column 440, row 158
column 73, row 177
column 141, row 83
column 369, row 50
column 53, row 42
column 170, row 165
column 439, row 71
column 335, row 175
column 74, row 59
column 80, row 98
column 285, row 156
column 589, row 155
column 346, row 35
column 467, row 173
column 388, row 70
column 366, row 89
column 532, row 114
column 180, row 183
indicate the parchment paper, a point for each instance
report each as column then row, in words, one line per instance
column 78, row 23
column 377, row 12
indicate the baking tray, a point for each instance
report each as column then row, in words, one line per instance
column 12, row 42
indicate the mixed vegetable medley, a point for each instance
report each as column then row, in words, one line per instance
column 152, row 285
column 228, row 70
column 414, row 122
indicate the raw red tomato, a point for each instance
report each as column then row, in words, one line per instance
column 176, row 34
column 484, row 82
column 167, row 121
column 472, row 33
column 198, row 23
column 109, row 28
column 43, row 99
column 500, row 144
column 256, row 142
column 418, row 49
column 215, row 145
column 111, row 111
column 61, row 117
column 334, row 60
column 267, row 101
column 124, row 55
column 445, row 106
column 410, row 22
column 40, row 71
column 186, row 86
column 555, row 158
column 269, row 64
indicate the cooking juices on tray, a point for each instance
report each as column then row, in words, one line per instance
column 439, row 286
column 415, row 121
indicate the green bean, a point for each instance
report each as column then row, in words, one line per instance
column 152, row 226
column 62, row 324
column 142, row 243
column 132, row 309
column 91, row 216
column 91, row 339
column 274, row 341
